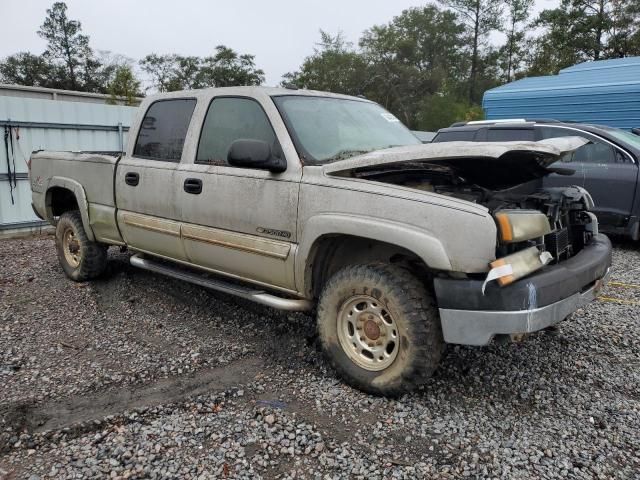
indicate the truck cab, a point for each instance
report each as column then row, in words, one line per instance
column 304, row 201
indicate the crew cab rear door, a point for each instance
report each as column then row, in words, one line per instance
column 235, row 220
column 147, row 196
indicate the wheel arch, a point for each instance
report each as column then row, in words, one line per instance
column 64, row 194
column 330, row 242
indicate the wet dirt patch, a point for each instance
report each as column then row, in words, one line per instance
column 74, row 410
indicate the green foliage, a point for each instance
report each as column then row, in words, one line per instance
column 429, row 65
column 583, row 30
column 438, row 111
column 481, row 17
column 512, row 53
column 27, row 69
column 412, row 65
column 334, row 67
column 225, row 68
column 70, row 63
column 124, row 85
column 162, row 71
column 419, row 53
column 68, row 49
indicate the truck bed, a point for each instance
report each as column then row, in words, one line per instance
column 90, row 175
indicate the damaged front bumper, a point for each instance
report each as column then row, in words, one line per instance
column 535, row 302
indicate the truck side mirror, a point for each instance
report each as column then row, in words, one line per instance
column 247, row 153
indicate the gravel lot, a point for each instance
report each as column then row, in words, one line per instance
column 136, row 375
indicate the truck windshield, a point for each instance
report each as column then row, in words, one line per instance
column 328, row 129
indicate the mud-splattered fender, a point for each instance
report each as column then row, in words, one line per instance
column 81, row 199
column 417, row 240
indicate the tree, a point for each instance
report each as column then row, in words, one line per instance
column 417, row 55
column 481, row 18
column 227, row 68
column 512, row 52
column 334, row 66
column 584, row 30
column 31, row 70
column 68, row 61
column 68, row 47
column 124, row 85
column 186, row 73
column 412, row 66
column 624, row 39
column 161, row 69
column 223, row 69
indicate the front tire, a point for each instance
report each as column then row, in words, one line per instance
column 379, row 328
column 80, row 258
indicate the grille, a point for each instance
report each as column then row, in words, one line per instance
column 557, row 244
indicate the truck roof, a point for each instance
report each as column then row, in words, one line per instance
column 251, row 91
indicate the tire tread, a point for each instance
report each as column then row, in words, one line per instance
column 419, row 310
column 94, row 255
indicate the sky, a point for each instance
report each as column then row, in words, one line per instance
column 280, row 33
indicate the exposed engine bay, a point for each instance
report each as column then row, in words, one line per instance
column 570, row 224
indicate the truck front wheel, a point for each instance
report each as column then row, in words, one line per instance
column 379, row 328
column 80, row 258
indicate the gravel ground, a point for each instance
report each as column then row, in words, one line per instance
column 140, row 376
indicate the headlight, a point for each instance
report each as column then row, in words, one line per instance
column 519, row 225
column 517, row 265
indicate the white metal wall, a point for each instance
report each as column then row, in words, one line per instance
column 59, row 125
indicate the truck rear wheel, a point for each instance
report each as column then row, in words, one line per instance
column 379, row 328
column 80, row 258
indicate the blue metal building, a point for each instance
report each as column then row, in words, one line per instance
column 606, row 92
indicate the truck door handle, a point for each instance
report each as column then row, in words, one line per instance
column 132, row 178
column 193, row 185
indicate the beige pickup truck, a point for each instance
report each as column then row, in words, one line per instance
column 306, row 200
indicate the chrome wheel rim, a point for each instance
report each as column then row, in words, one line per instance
column 71, row 248
column 368, row 333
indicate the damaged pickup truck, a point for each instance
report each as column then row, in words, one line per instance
column 301, row 200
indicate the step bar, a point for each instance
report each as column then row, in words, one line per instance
column 258, row 296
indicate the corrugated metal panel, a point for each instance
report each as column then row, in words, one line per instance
column 18, row 109
column 605, row 92
column 8, row 90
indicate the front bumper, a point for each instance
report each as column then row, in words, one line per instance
column 535, row 302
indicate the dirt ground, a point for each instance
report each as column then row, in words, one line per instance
column 140, row 376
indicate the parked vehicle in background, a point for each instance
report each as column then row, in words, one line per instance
column 607, row 167
column 298, row 199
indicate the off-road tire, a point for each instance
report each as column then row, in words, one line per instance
column 92, row 256
column 412, row 307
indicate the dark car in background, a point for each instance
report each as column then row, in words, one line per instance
column 607, row 166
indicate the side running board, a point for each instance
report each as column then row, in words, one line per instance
column 258, row 296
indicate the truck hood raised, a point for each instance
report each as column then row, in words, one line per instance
column 492, row 165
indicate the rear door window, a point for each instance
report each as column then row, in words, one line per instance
column 164, row 129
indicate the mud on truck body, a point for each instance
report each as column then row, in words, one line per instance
column 313, row 201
